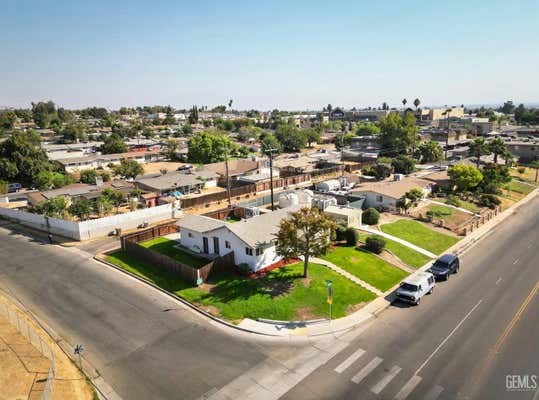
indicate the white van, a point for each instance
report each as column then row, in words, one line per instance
column 413, row 288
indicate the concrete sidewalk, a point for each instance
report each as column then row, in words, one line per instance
column 398, row 240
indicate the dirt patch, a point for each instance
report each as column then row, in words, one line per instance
column 212, row 310
column 305, row 314
column 305, row 282
column 352, row 308
column 207, row 287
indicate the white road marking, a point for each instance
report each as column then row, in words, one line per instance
column 407, row 388
column 514, row 262
column 349, row 361
column 376, row 389
column 498, row 281
column 447, row 337
column 367, row 369
column 434, row 392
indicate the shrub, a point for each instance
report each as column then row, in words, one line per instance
column 370, row 216
column 453, row 200
column 489, row 200
column 521, row 170
column 244, row 268
column 351, row 236
column 375, row 244
column 340, row 233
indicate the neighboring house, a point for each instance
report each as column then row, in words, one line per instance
column 239, row 168
column 524, row 151
column 178, row 181
column 94, row 161
column 386, row 194
column 344, row 215
column 77, row 190
column 252, row 240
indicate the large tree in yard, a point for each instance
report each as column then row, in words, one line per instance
column 465, row 177
column 306, row 233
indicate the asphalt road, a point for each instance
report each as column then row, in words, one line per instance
column 142, row 343
column 462, row 341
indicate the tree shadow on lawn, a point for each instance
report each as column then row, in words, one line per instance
column 228, row 286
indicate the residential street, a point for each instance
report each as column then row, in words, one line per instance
column 145, row 346
column 440, row 349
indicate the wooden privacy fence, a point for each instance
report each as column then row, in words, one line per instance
column 150, row 233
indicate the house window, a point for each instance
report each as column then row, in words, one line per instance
column 379, row 199
column 227, row 244
column 190, row 234
column 259, row 251
column 248, row 251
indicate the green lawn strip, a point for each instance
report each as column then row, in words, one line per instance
column 440, row 211
column 407, row 255
column 166, row 246
column 366, row 266
column 519, row 187
column 467, row 205
column 418, row 234
column 281, row 294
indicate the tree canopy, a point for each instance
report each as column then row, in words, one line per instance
column 128, row 168
column 113, row 144
column 22, row 158
column 398, row 134
column 430, row 151
column 465, row 177
column 209, row 147
column 307, row 233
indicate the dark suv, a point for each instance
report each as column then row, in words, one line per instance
column 444, row 266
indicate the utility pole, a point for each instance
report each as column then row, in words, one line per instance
column 227, row 179
column 448, row 112
column 342, row 150
column 270, row 153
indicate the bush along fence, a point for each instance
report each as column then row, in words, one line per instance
column 157, row 260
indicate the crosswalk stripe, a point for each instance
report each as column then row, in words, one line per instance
column 434, row 392
column 367, row 369
column 408, row 387
column 349, row 361
column 376, row 389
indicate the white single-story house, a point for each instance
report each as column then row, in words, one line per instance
column 386, row 194
column 93, row 161
column 344, row 215
column 251, row 240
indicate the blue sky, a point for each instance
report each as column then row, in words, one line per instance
column 274, row 54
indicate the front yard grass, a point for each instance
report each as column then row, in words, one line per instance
column 407, row 255
column 418, row 234
column 366, row 266
column 519, row 187
column 281, row 295
column 166, row 246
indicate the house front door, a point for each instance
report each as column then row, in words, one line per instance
column 216, row 245
column 205, row 247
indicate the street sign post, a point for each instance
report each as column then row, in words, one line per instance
column 329, row 286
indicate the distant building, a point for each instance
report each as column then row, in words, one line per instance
column 94, row 161
column 386, row 194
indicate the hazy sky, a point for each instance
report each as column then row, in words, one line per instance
column 268, row 54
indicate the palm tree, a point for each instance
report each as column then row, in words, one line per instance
column 230, row 103
column 416, row 103
column 479, row 148
column 535, row 166
column 404, row 101
column 508, row 158
column 497, row 147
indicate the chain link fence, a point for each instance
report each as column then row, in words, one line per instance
column 30, row 333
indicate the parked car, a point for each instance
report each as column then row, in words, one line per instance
column 184, row 167
column 413, row 288
column 445, row 266
column 14, row 187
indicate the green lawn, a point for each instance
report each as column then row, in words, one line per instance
column 407, row 255
column 519, row 187
column 467, row 205
column 281, row 295
column 418, row 234
column 366, row 266
column 439, row 211
column 166, row 246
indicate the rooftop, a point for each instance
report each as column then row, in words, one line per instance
column 394, row 189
